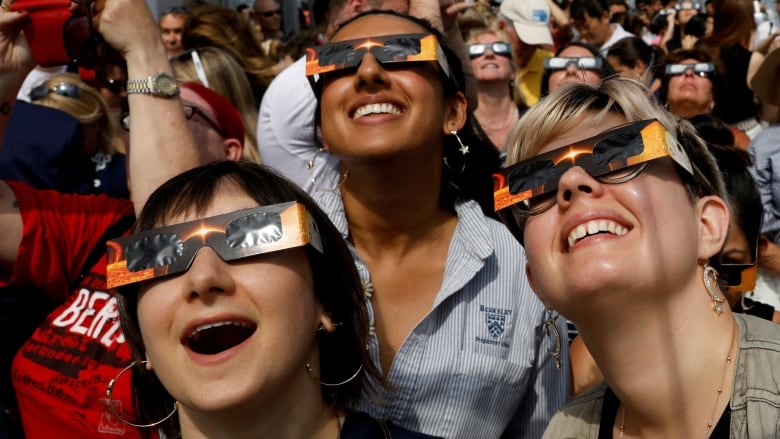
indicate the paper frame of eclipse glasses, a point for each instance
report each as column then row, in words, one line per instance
column 741, row 278
column 581, row 62
column 618, row 148
column 168, row 250
column 499, row 48
column 701, row 68
column 331, row 57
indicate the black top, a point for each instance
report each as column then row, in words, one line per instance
column 609, row 413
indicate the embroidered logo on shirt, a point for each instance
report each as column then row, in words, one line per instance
column 496, row 320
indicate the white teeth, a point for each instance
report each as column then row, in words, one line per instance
column 216, row 325
column 594, row 227
column 384, row 108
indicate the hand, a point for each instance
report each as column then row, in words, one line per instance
column 688, row 41
column 16, row 59
column 127, row 25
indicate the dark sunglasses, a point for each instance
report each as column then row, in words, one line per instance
column 614, row 156
column 740, row 278
column 701, row 69
column 189, row 112
column 82, row 42
column 269, row 14
column 498, row 48
column 386, row 49
column 61, row 89
column 237, row 235
column 582, row 63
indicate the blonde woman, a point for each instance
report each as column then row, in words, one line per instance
column 87, row 160
column 491, row 61
column 218, row 70
column 68, row 93
column 622, row 212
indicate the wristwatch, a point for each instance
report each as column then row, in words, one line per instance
column 161, row 84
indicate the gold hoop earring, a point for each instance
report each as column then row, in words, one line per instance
column 310, row 166
column 315, row 378
column 551, row 329
column 464, row 149
column 717, row 303
column 110, row 391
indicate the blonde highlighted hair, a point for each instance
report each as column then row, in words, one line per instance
column 88, row 107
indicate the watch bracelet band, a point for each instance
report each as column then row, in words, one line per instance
column 140, row 86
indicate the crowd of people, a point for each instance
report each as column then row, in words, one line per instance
column 402, row 219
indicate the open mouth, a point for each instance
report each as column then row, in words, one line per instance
column 217, row 337
column 384, row 108
column 595, row 227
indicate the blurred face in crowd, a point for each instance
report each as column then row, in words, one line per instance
column 490, row 66
column 572, row 73
column 268, row 14
column 690, row 93
column 594, row 30
column 171, row 27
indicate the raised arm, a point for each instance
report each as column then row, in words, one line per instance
column 443, row 14
column 161, row 145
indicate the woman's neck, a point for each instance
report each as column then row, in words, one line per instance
column 497, row 112
column 394, row 206
column 666, row 364
column 302, row 417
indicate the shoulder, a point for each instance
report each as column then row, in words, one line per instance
column 580, row 417
column 359, row 425
column 486, row 236
column 758, row 362
column 289, row 83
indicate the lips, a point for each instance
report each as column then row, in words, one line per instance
column 595, row 227
column 215, row 337
column 376, row 108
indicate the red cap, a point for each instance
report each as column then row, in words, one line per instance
column 225, row 113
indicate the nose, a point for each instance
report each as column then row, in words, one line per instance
column 208, row 275
column 572, row 68
column 575, row 182
column 370, row 73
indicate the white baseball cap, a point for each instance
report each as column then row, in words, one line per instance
column 531, row 19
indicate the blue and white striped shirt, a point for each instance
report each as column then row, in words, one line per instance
column 477, row 365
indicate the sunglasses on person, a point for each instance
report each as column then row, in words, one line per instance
column 740, row 278
column 269, row 14
column 701, row 69
column 614, row 156
column 168, row 250
column 82, row 42
column 387, row 49
column 194, row 56
column 498, row 48
column 189, row 112
column 581, row 62
column 61, row 89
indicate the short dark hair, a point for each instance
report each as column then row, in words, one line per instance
column 594, row 8
column 337, row 284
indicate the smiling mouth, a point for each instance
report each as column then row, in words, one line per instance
column 217, row 337
column 384, row 108
column 595, row 227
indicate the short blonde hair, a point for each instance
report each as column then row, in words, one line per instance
column 88, row 107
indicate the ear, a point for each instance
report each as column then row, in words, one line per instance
column 148, row 364
column 233, row 149
column 456, row 108
column 714, row 218
column 326, row 323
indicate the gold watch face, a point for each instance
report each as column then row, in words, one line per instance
column 167, row 85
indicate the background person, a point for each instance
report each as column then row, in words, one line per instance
column 173, row 21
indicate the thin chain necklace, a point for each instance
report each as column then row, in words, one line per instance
column 717, row 397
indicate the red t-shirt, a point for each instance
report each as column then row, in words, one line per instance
column 61, row 372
